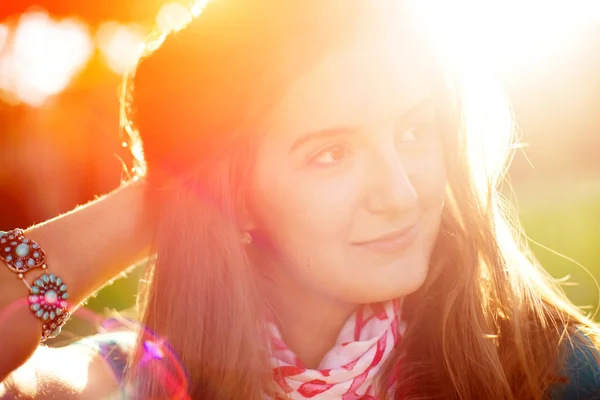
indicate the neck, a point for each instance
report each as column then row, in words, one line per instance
column 309, row 322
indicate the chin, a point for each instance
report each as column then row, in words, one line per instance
column 383, row 291
column 403, row 278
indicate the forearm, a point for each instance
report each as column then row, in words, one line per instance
column 85, row 248
column 93, row 243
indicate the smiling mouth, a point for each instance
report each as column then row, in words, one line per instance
column 393, row 242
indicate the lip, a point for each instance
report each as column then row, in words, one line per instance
column 393, row 242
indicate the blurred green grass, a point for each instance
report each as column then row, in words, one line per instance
column 563, row 217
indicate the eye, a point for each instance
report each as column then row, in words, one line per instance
column 330, row 155
column 409, row 135
column 422, row 131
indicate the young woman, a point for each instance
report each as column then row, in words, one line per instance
column 321, row 200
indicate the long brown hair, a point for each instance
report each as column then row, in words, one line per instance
column 487, row 322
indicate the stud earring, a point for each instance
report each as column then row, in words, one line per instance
column 246, row 238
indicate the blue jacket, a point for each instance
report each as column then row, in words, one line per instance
column 583, row 373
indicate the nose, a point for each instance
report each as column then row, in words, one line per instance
column 390, row 189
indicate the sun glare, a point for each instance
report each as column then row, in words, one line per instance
column 40, row 55
column 507, row 33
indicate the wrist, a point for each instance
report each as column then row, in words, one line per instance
column 48, row 296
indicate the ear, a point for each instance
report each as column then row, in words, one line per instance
column 246, row 219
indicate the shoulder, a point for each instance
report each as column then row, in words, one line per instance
column 111, row 348
column 88, row 369
column 581, row 369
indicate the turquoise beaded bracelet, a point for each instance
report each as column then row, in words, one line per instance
column 47, row 294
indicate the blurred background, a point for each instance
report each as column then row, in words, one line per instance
column 61, row 64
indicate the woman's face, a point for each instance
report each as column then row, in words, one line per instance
column 349, row 181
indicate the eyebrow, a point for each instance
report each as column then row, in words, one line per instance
column 328, row 133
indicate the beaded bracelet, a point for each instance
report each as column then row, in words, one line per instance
column 47, row 294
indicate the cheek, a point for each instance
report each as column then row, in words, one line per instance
column 430, row 182
column 303, row 217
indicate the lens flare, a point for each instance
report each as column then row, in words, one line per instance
column 116, row 340
column 120, row 45
column 172, row 17
column 166, row 366
column 154, row 349
column 44, row 57
column 198, row 6
column 3, row 36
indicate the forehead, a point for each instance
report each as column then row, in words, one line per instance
column 367, row 81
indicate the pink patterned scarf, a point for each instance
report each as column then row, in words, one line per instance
column 347, row 370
